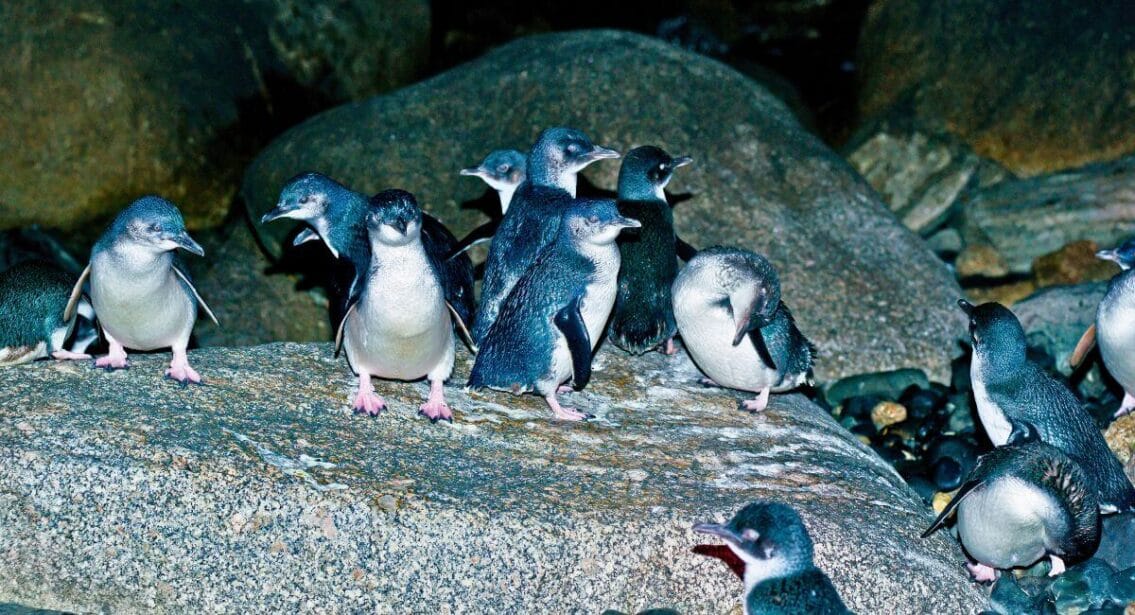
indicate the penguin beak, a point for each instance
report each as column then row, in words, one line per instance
column 966, row 306
column 282, row 209
column 473, row 172
column 185, row 242
column 599, row 152
column 398, row 225
column 1108, row 255
column 624, row 222
column 680, row 161
column 719, row 530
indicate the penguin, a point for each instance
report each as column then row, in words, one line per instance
column 398, row 324
column 533, row 219
column 555, row 315
column 142, row 296
column 736, row 327
column 770, row 540
column 33, row 300
column 644, row 315
column 1008, row 387
column 338, row 216
column 503, row 170
column 1023, row 502
column 1114, row 328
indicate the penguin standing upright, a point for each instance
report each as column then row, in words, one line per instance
column 644, row 315
column 776, row 553
column 554, row 317
column 33, row 301
column 503, row 170
column 533, row 219
column 1008, row 388
column 142, row 297
column 1022, row 502
column 397, row 325
column 1114, row 328
column 735, row 326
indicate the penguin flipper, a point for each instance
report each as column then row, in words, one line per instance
column 569, row 320
column 342, row 326
column 1022, row 432
column 462, row 330
column 965, row 490
column 1083, row 347
column 306, row 235
column 478, row 235
column 685, row 250
column 762, row 348
column 200, row 301
column 76, row 294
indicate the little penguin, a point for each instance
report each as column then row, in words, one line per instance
column 338, row 216
column 555, row 315
column 776, row 552
column 736, row 327
column 33, row 300
column 1008, row 387
column 398, row 325
column 644, row 315
column 1022, row 502
column 533, row 219
column 503, row 170
column 142, row 296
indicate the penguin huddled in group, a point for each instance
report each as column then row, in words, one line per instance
column 1024, row 501
column 1009, row 388
column 398, row 325
column 776, row 557
column 555, row 314
column 33, row 304
column 533, row 218
column 503, row 170
column 735, row 326
column 644, row 315
column 143, row 298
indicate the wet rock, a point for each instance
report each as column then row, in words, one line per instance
column 1073, row 264
column 989, row 73
column 887, row 413
column 1120, row 436
column 1084, row 586
column 880, row 302
column 980, row 261
column 1055, row 318
column 1005, row 294
column 882, row 385
column 1007, row 597
column 120, row 491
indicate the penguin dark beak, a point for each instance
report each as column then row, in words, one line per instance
column 185, row 242
column 966, row 306
column 398, row 225
column 719, row 530
column 599, row 152
column 625, row 222
column 1108, row 255
column 680, row 161
column 282, row 209
column 473, row 172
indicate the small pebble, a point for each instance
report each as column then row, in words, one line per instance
column 1120, row 437
column 941, row 499
column 887, row 413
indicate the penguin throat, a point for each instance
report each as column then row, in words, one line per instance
column 506, row 193
column 556, row 177
column 142, row 258
column 758, row 570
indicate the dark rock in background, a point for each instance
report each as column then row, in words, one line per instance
column 863, row 288
column 123, row 491
column 1055, row 318
column 1036, row 86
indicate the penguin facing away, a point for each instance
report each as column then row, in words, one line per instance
column 644, row 315
column 1114, row 328
column 143, row 298
column 1009, row 388
column 33, row 299
column 398, row 325
column 776, row 555
column 554, row 317
column 1021, row 503
column 736, row 327
column 503, row 170
column 533, row 219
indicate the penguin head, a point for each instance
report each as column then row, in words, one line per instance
column 154, row 224
column 997, row 336
column 596, row 222
column 1124, row 255
column 769, row 537
column 305, row 197
column 560, row 153
column 502, row 169
column 645, row 172
column 394, row 218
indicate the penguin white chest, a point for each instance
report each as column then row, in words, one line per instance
column 993, row 418
column 143, row 308
column 1115, row 333
column 1007, row 523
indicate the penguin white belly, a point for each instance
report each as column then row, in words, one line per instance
column 1004, row 524
column 1115, row 333
column 598, row 301
column 401, row 328
column 707, row 331
column 992, row 417
column 142, row 311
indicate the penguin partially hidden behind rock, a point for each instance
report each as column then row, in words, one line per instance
column 644, row 314
column 1114, row 329
column 736, row 328
column 143, row 298
column 555, row 315
column 533, row 219
column 398, row 325
column 775, row 553
column 503, row 170
column 1008, row 388
column 338, row 216
column 33, row 301
column 1023, row 502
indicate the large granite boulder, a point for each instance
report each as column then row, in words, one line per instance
column 1036, row 86
column 261, row 492
column 866, row 290
column 103, row 101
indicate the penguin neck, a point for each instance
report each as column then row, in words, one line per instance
column 141, row 260
column 505, row 193
column 556, row 177
column 759, row 570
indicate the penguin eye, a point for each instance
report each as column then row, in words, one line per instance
column 155, row 228
column 593, row 219
column 661, row 168
column 750, row 534
column 305, row 199
column 573, row 149
column 503, row 169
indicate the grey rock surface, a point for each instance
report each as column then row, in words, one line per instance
column 863, row 288
column 262, row 492
column 1054, row 318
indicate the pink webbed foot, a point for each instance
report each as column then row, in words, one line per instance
column 180, row 370
column 668, row 348
column 758, row 404
column 435, row 408
column 1127, row 406
column 1057, row 566
column 565, row 414
column 115, row 359
column 67, row 355
column 708, row 382
column 564, row 389
column 981, row 573
column 367, row 401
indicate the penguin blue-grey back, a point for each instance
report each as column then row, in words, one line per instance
column 644, row 314
column 1008, row 388
column 33, row 304
column 532, row 221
